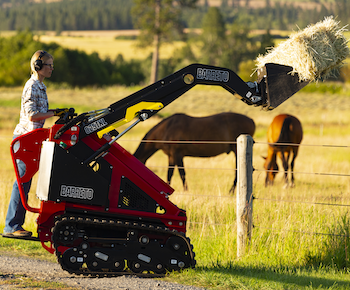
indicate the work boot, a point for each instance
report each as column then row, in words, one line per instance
column 19, row 233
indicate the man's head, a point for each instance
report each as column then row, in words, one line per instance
column 39, row 59
column 42, row 63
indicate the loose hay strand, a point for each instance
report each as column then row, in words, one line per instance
column 314, row 53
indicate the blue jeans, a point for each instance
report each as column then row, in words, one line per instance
column 16, row 212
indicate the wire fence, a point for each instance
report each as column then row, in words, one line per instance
column 233, row 142
column 260, row 170
column 256, row 170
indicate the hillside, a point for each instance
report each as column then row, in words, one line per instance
column 304, row 4
column 58, row 16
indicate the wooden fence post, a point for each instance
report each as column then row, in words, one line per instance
column 244, row 192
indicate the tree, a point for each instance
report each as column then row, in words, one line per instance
column 239, row 47
column 266, row 42
column 213, row 36
column 159, row 22
column 229, row 48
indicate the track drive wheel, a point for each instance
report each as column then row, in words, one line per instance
column 71, row 260
column 94, row 266
column 118, row 265
column 159, row 269
column 135, row 266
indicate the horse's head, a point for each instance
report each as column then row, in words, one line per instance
column 272, row 168
column 146, row 150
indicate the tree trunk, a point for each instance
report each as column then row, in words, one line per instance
column 155, row 57
column 156, row 44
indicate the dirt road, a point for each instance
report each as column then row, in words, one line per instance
column 48, row 271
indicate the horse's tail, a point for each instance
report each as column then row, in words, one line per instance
column 285, row 134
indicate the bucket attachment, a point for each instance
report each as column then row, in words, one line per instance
column 277, row 84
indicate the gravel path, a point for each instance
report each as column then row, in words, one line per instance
column 48, row 271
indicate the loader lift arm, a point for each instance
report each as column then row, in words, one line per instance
column 160, row 94
column 275, row 84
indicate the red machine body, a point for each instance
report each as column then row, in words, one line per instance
column 116, row 202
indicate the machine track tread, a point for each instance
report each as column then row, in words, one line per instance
column 116, row 224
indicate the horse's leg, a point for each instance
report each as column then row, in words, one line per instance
column 284, row 157
column 295, row 153
column 171, row 168
column 181, row 168
column 287, row 157
column 232, row 190
column 270, row 175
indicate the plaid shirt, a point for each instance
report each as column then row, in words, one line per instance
column 34, row 100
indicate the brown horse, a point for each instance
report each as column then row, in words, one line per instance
column 283, row 129
column 180, row 127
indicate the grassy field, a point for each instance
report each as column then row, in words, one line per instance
column 300, row 239
column 108, row 44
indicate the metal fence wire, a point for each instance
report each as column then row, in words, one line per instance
column 257, row 170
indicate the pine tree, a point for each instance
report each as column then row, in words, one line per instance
column 213, row 36
column 159, row 22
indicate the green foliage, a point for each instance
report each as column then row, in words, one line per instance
column 231, row 49
column 182, row 57
column 159, row 21
column 213, row 37
column 240, row 47
column 15, row 53
column 162, row 23
column 128, row 72
column 72, row 67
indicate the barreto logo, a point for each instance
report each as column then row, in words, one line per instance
column 95, row 126
column 213, row 75
column 77, row 192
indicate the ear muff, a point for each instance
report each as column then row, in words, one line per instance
column 38, row 64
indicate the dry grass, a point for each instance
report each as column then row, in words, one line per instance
column 106, row 45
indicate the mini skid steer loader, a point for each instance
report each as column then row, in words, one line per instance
column 102, row 212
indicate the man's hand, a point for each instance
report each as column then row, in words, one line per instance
column 60, row 112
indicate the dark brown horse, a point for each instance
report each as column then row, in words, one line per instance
column 283, row 129
column 180, row 127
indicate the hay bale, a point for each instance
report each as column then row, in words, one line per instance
column 314, row 52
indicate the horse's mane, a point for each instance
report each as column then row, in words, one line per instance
column 159, row 124
column 153, row 129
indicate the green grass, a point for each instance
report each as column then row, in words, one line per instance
column 292, row 246
column 240, row 276
column 23, row 281
column 32, row 249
